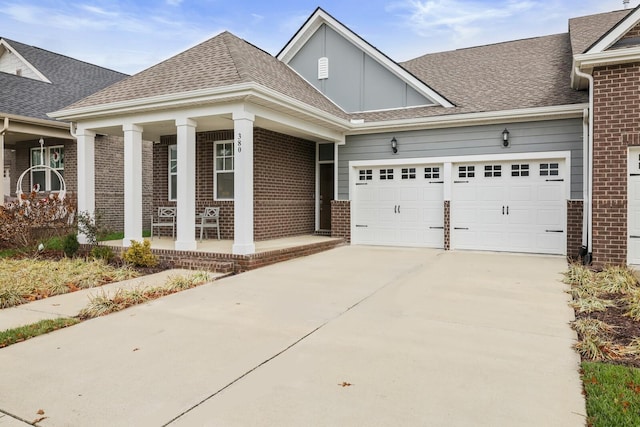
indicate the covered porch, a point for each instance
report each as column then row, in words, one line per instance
column 217, row 255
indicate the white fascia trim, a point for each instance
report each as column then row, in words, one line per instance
column 565, row 155
column 610, row 57
column 321, row 17
column 7, row 46
column 618, row 32
column 471, row 119
column 234, row 92
column 35, row 121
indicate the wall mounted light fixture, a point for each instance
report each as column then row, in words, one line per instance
column 505, row 138
column 394, row 145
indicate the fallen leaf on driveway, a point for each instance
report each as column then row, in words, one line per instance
column 40, row 412
column 345, row 384
column 136, row 349
column 37, row 420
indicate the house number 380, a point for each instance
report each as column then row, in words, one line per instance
column 239, row 142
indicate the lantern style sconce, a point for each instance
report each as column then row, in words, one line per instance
column 505, row 138
column 394, row 145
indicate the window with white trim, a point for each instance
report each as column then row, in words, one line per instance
column 365, row 175
column 223, row 172
column 386, row 174
column 44, row 179
column 466, row 171
column 549, row 169
column 519, row 170
column 173, row 172
column 408, row 173
column 432, row 172
column 491, row 171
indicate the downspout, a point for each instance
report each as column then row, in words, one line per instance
column 588, row 199
column 72, row 131
column 5, row 126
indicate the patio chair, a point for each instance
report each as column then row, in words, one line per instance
column 166, row 218
column 210, row 218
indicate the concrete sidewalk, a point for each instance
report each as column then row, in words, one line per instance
column 352, row 336
column 69, row 305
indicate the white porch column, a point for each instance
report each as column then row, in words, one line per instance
column 2, row 166
column 86, row 147
column 186, row 198
column 132, row 183
column 243, row 184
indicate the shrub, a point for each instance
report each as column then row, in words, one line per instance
column 140, row 255
column 70, row 245
column 39, row 217
column 102, row 252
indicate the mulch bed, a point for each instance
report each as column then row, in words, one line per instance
column 625, row 328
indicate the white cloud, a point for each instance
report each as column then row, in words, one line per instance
column 174, row 2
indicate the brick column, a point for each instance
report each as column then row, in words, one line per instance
column 341, row 219
column 447, row 225
column 616, row 111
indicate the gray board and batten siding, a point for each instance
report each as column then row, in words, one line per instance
column 356, row 81
column 529, row 137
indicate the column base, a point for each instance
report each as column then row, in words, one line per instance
column 190, row 245
column 243, row 249
column 126, row 241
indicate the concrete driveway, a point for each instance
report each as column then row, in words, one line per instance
column 357, row 336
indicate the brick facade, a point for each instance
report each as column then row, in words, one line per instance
column 447, row 225
column 284, row 182
column 574, row 228
column 616, row 111
column 109, row 179
column 341, row 219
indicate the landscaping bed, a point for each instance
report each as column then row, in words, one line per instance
column 607, row 309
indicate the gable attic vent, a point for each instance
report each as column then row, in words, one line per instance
column 323, row 68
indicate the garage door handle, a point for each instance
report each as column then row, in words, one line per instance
column 395, row 208
column 361, row 183
column 436, row 182
column 503, row 210
column 554, row 180
column 460, row 228
column 361, row 226
column 634, row 237
column 634, row 174
column 507, row 210
column 398, row 208
column 460, row 182
column 436, row 228
column 554, row 231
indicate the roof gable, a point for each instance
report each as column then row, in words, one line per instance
column 12, row 62
column 67, row 80
column 323, row 44
column 218, row 64
column 616, row 33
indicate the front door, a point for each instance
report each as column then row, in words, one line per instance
column 326, row 195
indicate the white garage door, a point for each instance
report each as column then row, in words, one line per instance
column 399, row 206
column 633, row 248
column 509, row 206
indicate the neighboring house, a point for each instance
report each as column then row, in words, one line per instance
column 34, row 82
column 486, row 148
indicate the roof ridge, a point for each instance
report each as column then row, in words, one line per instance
column 227, row 37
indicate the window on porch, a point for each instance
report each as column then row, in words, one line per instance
column 45, row 179
column 223, row 174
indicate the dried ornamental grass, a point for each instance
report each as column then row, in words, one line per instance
column 591, row 304
column 617, row 280
column 27, row 280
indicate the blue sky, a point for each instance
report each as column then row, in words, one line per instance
column 130, row 36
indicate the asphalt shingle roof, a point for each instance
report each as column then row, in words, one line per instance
column 587, row 30
column 518, row 74
column 70, row 78
column 223, row 60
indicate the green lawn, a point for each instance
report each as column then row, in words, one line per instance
column 612, row 394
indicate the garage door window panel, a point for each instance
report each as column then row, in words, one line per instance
column 365, row 175
column 519, row 170
column 466, row 171
column 386, row 174
column 432, row 173
column 408, row 173
column 549, row 169
column 491, row 171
